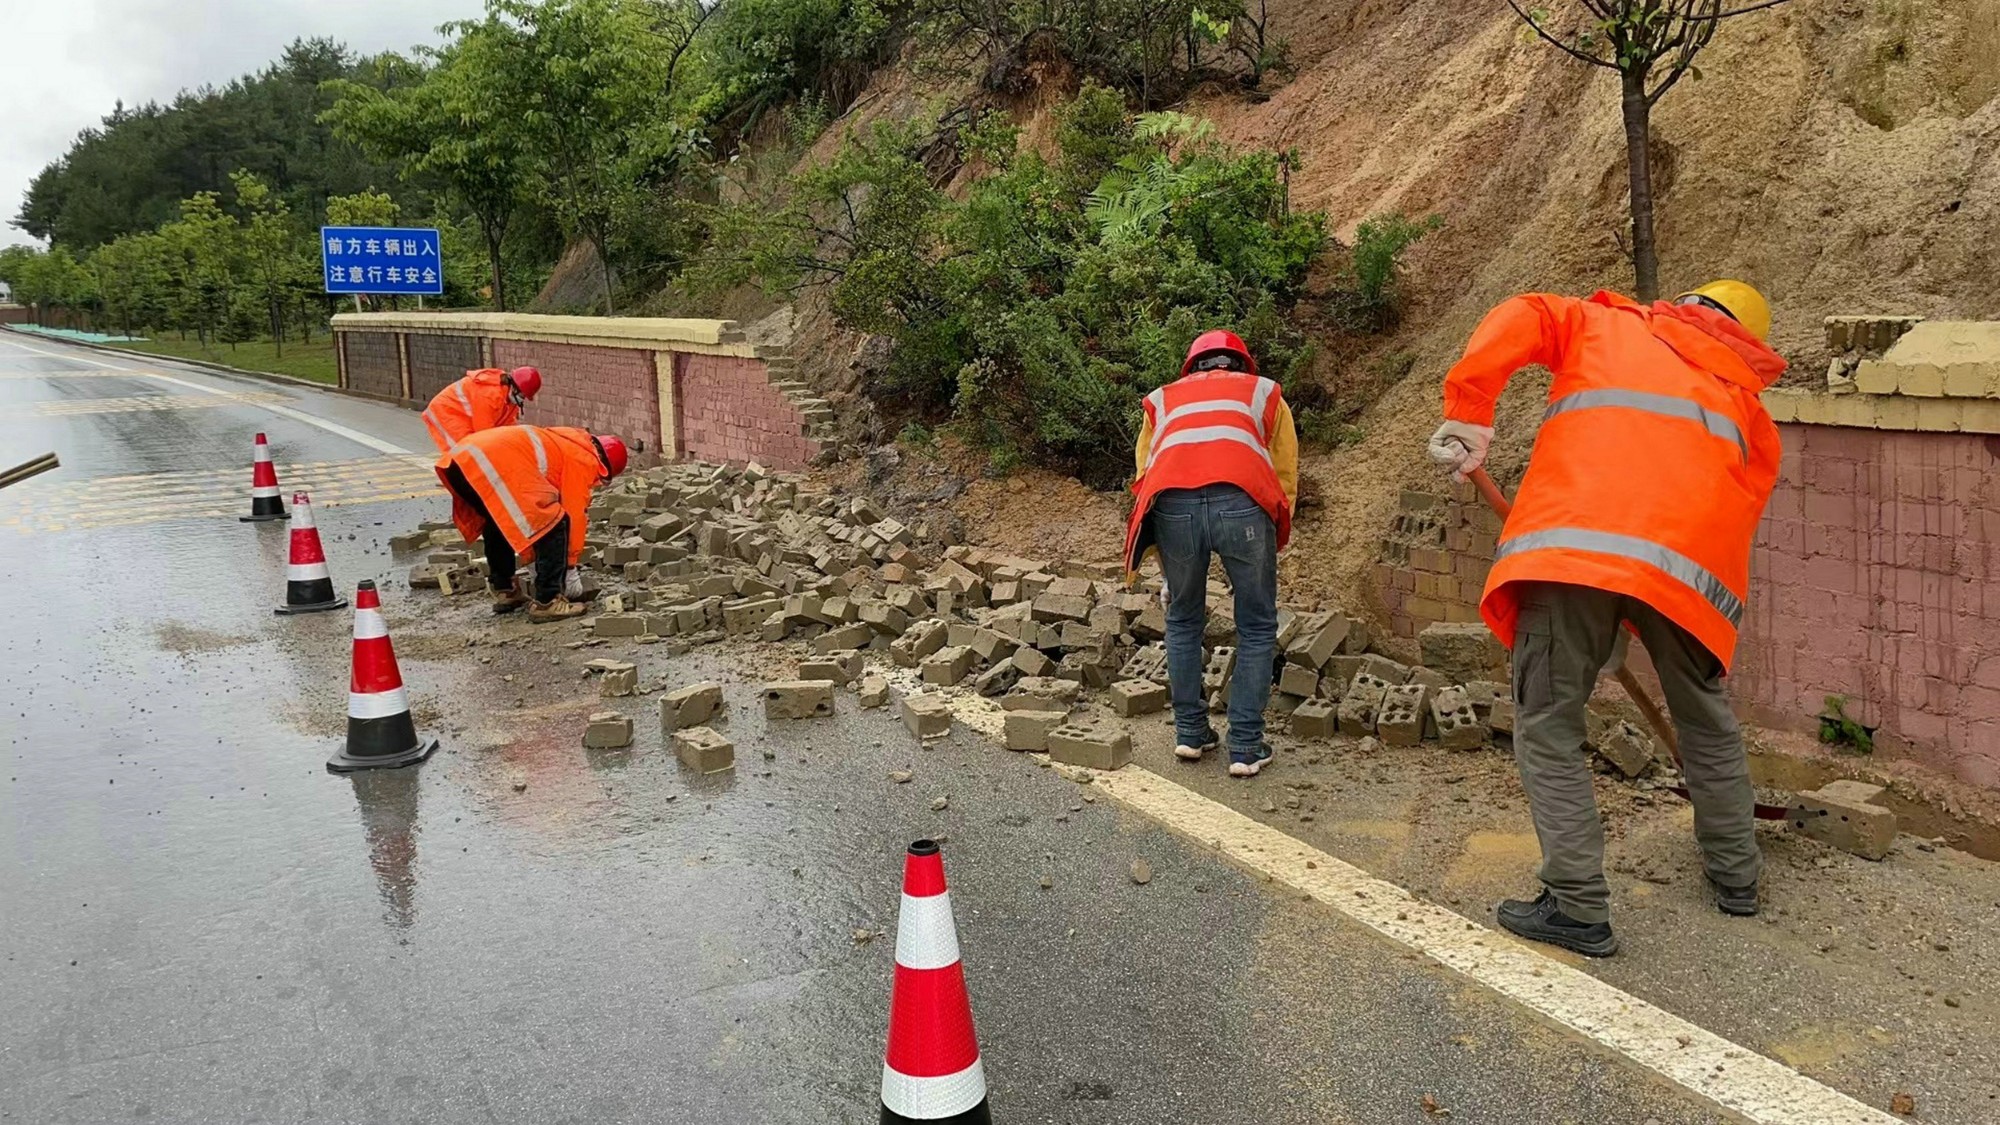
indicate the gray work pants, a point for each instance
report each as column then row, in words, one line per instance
column 1562, row 640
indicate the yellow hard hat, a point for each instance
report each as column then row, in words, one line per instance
column 1739, row 300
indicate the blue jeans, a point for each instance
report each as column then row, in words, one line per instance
column 1190, row 524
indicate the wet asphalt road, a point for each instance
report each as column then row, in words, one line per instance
column 198, row 924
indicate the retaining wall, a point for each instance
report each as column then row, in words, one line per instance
column 670, row 388
column 1875, row 576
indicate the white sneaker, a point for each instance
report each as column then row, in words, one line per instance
column 1194, row 753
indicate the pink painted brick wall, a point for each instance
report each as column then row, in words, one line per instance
column 731, row 413
column 603, row 390
column 1876, row 576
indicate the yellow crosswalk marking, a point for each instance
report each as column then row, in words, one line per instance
column 206, row 494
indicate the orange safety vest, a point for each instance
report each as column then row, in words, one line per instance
column 1212, row 427
column 480, row 401
column 1654, row 460
column 529, row 478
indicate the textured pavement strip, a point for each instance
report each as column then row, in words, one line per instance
column 66, row 407
column 145, row 498
column 306, row 479
column 1722, row 1073
column 93, row 523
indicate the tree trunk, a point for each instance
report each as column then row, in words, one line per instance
column 1639, row 158
column 494, row 236
column 604, row 264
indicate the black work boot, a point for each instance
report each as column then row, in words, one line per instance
column 1740, row 902
column 1542, row 920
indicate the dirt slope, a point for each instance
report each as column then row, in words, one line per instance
column 1843, row 155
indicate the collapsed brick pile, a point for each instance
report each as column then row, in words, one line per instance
column 687, row 555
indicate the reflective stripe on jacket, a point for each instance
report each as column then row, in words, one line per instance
column 1218, row 427
column 480, row 401
column 1654, row 460
column 529, row 478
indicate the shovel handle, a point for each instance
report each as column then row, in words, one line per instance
column 1648, row 710
column 27, row 469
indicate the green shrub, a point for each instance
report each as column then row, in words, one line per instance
column 1370, row 298
column 1836, row 729
column 1041, row 308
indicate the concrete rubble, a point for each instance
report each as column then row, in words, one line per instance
column 691, row 555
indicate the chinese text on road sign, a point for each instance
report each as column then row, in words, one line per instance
column 381, row 260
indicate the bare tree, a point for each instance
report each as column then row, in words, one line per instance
column 1652, row 45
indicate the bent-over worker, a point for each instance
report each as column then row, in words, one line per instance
column 522, row 487
column 1652, row 467
column 1217, row 475
column 484, row 399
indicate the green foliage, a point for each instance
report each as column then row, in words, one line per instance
column 1039, row 309
column 759, row 56
column 1152, row 50
column 131, row 173
column 1369, row 298
column 362, row 209
column 1836, row 729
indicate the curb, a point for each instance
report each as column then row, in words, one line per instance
column 224, row 369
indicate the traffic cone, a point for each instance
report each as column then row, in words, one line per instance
column 308, row 586
column 265, row 503
column 380, row 733
column 931, row 1071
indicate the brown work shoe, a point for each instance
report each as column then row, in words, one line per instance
column 557, row 609
column 507, row 601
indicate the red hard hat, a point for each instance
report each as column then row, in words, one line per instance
column 1217, row 342
column 527, row 380
column 614, row 453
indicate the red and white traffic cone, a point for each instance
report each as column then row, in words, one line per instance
column 380, row 733
column 932, row 1071
column 308, row 586
column 265, row 503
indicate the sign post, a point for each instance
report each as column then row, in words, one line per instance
column 385, row 260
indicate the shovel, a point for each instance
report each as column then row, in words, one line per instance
column 1649, row 710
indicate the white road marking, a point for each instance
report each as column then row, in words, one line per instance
column 1728, row 1076
column 333, row 428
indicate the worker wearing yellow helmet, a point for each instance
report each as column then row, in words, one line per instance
column 1649, row 474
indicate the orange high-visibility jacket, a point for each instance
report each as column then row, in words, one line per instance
column 529, row 477
column 1653, row 463
column 477, row 402
column 1215, row 427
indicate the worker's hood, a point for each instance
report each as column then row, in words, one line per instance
column 487, row 376
column 585, row 446
column 1706, row 339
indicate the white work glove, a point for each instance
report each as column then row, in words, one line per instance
column 1461, row 447
column 573, row 584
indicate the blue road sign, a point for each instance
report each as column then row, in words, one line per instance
column 381, row 260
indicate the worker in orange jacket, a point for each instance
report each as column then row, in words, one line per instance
column 522, row 487
column 1649, row 474
column 1218, row 475
column 484, row 399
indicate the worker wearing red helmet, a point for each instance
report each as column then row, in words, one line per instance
column 1218, row 471
column 484, row 399
column 528, row 487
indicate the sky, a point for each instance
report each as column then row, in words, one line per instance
column 64, row 64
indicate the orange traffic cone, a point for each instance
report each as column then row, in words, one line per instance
column 265, row 504
column 932, row 1070
column 308, row 585
column 380, row 733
